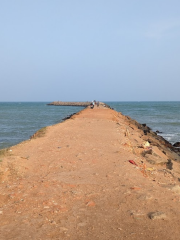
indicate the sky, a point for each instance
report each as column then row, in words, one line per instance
column 81, row 50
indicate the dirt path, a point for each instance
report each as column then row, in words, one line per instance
column 76, row 182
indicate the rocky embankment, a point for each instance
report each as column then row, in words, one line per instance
column 78, row 104
column 97, row 175
column 155, row 148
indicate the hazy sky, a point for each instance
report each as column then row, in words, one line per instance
column 78, row 50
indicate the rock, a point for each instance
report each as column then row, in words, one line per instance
column 177, row 150
column 68, row 117
column 155, row 159
column 177, row 144
column 146, row 151
column 157, row 215
column 145, row 132
column 158, row 131
column 158, row 152
column 176, row 189
column 137, row 215
column 169, row 164
column 82, row 224
column 164, row 152
column 144, row 127
column 64, row 229
column 145, row 197
column 153, row 133
column 126, row 133
column 163, row 142
column 146, row 144
column 90, row 204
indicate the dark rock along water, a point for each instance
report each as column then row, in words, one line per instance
column 19, row 121
column 161, row 116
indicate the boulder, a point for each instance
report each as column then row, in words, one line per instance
column 156, row 157
column 177, row 144
column 157, row 215
column 158, row 131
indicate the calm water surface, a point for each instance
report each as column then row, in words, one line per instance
column 19, row 121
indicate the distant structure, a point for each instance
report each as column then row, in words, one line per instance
column 78, row 104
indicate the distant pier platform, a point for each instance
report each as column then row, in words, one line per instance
column 78, row 104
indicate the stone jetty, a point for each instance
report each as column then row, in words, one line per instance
column 98, row 175
column 78, row 104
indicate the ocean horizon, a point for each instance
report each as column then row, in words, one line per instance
column 20, row 120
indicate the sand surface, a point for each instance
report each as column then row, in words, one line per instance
column 76, row 182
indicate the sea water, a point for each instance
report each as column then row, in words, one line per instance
column 20, row 120
column 159, row 116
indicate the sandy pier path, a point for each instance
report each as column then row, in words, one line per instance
column 76, row 182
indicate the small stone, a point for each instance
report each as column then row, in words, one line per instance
column 137, row 214
column 126, row 133
column 63, row 229
column 176, row 189
column 53, row 222
column 82, row 224
column 146, row 144
column 169, row 164
column 145, row 197
column 90, row 204
column 157, row 215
